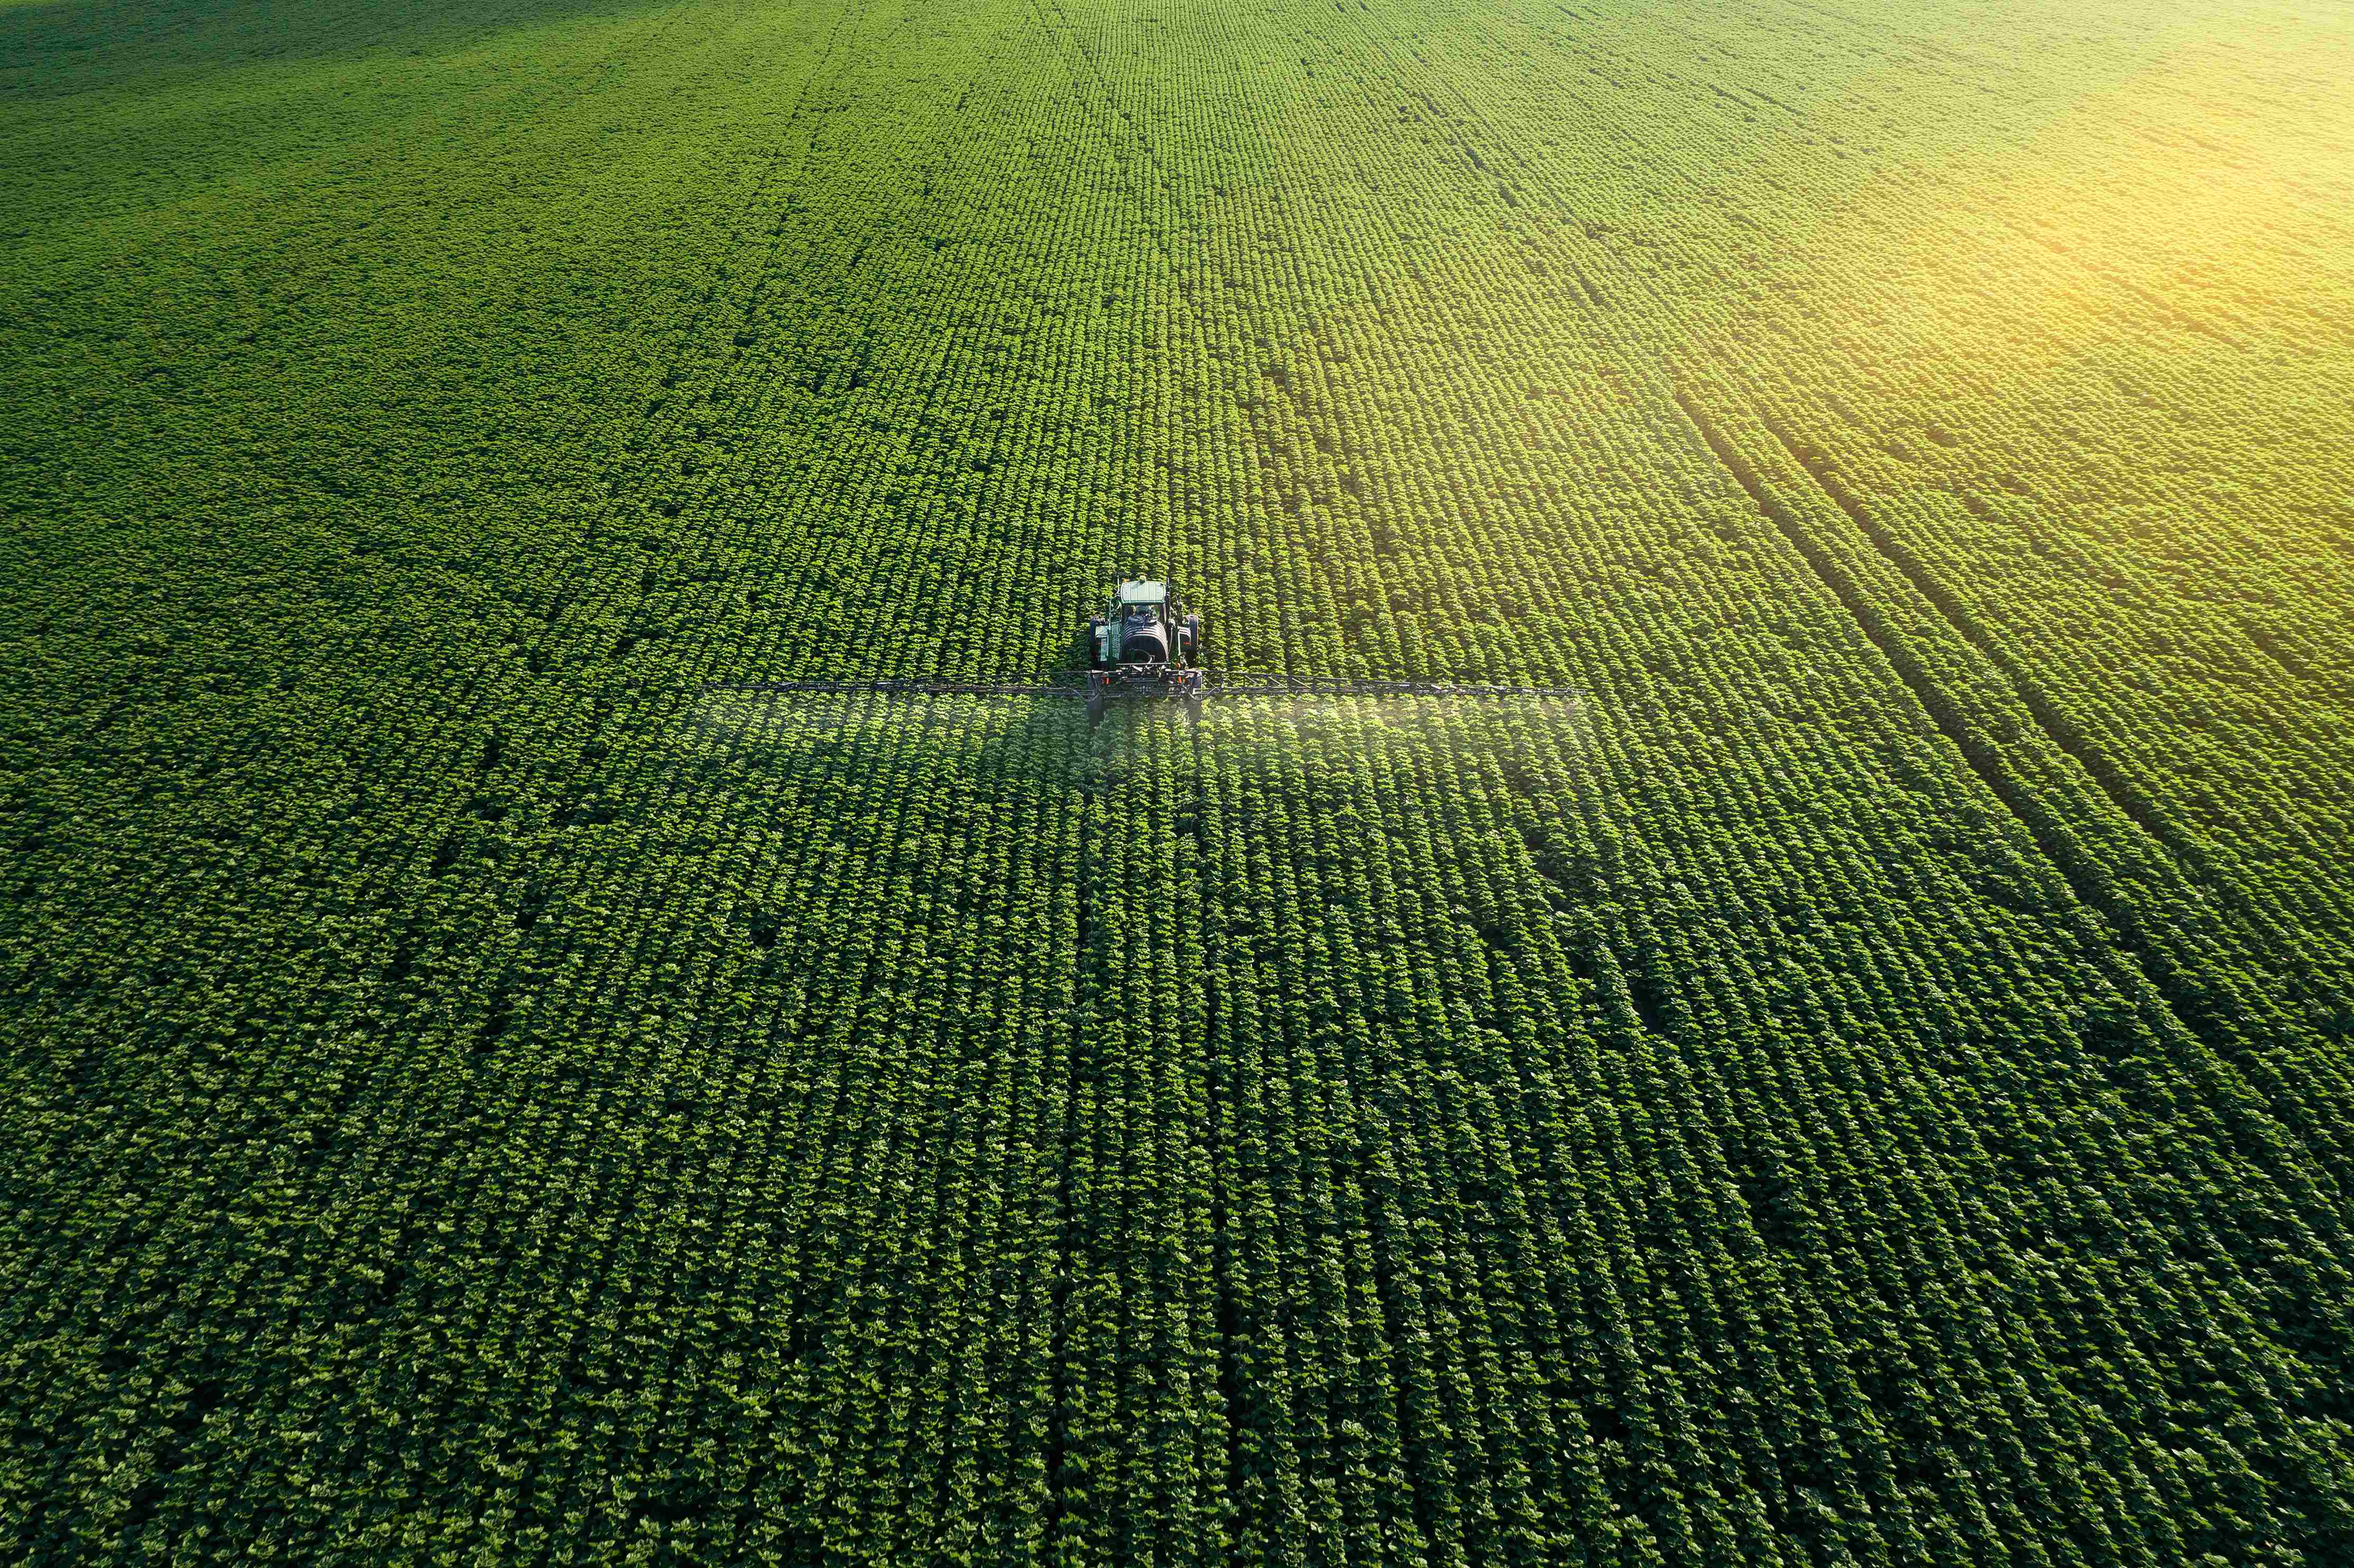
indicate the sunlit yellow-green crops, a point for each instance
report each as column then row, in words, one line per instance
column 1868, row 1081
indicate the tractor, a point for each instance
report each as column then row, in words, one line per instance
column 1144, row 642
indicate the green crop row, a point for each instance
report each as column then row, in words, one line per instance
column 1864, row 1082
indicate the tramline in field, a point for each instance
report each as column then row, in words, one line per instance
column 1143, row 644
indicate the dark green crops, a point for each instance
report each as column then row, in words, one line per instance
column 1867, row 1083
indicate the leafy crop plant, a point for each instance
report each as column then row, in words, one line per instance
column 1864, row 1081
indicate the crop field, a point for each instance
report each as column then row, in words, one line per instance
column 1869, row 1079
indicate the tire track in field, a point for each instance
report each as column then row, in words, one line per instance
column 2130, row 804
column 2131, row 938
column 1314, row 595
column 2234, row 898
column 1117, row 125
column 1869, row 619
column 2125, row 932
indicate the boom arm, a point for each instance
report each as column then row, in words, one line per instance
column 1237, row 683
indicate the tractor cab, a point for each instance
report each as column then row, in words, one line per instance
column 1143, row 626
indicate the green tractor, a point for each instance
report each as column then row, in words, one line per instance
column 1143, row 643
